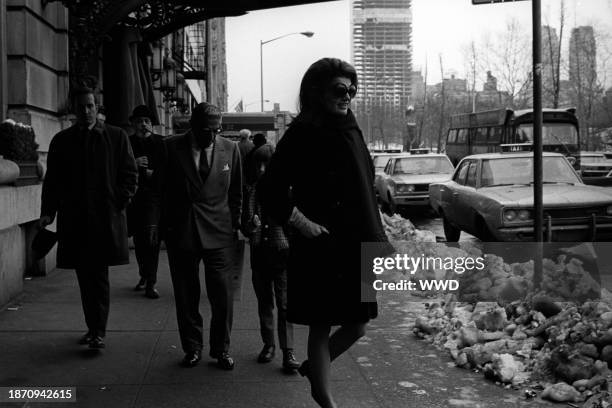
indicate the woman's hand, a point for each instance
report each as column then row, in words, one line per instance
column 307, row 228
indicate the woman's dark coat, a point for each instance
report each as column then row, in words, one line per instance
column 91, row 220
column 325, row 170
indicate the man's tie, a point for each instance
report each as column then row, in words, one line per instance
column 204, row 168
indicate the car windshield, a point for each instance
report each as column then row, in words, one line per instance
column 519, row 170
column 423, row 165
column 381, row 161
column 552, row 134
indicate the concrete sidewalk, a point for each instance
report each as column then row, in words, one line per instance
column 139, row 368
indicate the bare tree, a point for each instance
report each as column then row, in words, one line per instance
column 425, row 107
column 552, row 59
column 506, row 57
column 442, row 106
column 472, row 67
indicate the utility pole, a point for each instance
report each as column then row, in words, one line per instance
column 537, row 139
column 3, row 68
column 536, row 17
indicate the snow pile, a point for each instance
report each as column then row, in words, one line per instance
column 401, row 229
column 566, row 350
column 556, row 341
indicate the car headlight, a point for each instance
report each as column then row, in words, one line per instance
column 510, row 215
column 609, row 210
column 404, row 188
column 517, row 215
column 524, row 215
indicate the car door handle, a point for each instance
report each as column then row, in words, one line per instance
column 455, row 194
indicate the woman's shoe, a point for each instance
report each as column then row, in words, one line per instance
column 304, row 369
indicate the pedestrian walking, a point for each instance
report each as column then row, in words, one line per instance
column 320, row 182
column 149, row 151
column 269, row 252
column 245, row 145
column 251, row 170
column 198, row 198
column 91, row 177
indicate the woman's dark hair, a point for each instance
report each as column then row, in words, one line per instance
column 317, row 77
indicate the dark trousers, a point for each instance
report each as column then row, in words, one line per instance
column 270, row 283
column 147, row 256
column 184, row 269
column 94, row 286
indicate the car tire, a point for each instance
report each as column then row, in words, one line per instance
column 451, row 232
column 391, row 207
column 484, row 234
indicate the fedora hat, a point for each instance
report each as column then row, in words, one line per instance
column 141, row 111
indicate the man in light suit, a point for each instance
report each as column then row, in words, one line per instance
column 198, row 200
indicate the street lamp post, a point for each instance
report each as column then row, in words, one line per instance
column 261, row 44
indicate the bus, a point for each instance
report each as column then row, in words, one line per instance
column 485, row 132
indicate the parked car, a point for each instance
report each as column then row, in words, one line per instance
column 491, row 197
column 405, row 179
column 380, row 161
column 594, row 164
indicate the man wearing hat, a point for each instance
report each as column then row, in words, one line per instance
column 149, row 151
column 199, row 199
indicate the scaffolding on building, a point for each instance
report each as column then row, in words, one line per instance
column 382, row 52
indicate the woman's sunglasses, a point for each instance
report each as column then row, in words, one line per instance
column 339, row 90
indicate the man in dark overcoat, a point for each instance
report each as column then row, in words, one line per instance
column 199, row 198
column 91, row 177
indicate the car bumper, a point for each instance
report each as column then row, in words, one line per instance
column 418, row 199
column 597, row 228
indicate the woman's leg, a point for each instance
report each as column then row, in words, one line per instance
column 319, row 365
column 343, row 338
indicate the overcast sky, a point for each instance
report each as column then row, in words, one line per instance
column 439, row 27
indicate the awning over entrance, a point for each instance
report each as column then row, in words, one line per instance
column 92, row 20
column 157, row 18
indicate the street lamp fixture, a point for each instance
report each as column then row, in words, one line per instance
column 261, row 44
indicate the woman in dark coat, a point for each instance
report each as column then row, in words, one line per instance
column 320, row 180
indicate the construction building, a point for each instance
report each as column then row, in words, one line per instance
column 382, row 54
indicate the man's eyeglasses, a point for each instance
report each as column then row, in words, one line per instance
column 339, row 90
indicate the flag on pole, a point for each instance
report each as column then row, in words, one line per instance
column 239, row 107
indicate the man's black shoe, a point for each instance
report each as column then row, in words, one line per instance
column 97, row 343
column 267, row 354
column 225, row 361
column 152, row 293
column 192, row 358
column 140, row 285
column 290, row 364
column 86, row 338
